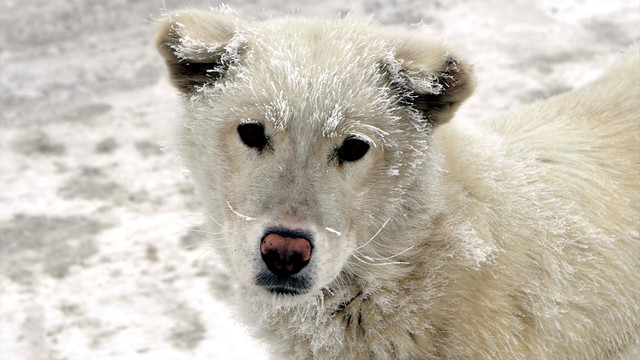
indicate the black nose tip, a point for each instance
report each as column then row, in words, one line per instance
column 285, row 253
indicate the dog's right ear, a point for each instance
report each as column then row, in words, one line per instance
column 198, row 47
column 431, row 80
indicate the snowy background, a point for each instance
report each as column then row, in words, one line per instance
column 97, row 222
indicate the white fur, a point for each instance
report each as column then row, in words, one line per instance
column 512, row 238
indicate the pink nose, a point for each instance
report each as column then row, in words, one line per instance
column 285, row 255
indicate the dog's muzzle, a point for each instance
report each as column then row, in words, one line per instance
column 286, row 254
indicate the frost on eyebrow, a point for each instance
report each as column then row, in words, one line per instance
column 277, row 112
column 331, row 94
column 333, row 121
column 338, row 125
column 331, row 127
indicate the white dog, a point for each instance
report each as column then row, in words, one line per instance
column 356, row 222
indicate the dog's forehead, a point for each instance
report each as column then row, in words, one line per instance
column 315, row 77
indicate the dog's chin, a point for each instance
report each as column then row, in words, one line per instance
column 299, row 284
column 285, row 291
column 283, row 299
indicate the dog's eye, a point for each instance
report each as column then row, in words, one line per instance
column 352, row 149
column 252, row 135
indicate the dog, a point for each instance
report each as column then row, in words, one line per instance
column 356, row 221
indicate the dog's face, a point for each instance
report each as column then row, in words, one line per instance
column 304, row 138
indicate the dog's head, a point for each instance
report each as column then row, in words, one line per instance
column 305, row 139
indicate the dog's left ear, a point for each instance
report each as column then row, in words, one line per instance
column 429, row 78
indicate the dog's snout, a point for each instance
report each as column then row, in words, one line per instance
column 285, row 254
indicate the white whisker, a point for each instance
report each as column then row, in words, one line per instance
column 243, row 217
column 214, row 220
column 374, row 236
column 333, row 231
column 375, row 263
column 391, row 263
column 387, row 257
column 199, row 245
column 207, row 251
column 224, row 229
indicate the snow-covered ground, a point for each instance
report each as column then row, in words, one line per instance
column 97, row 222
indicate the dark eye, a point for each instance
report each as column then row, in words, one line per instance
column 252, row 135
column 352, row 149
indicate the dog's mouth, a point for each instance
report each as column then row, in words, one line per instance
column 284, row 285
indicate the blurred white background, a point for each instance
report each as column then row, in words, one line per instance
column 96, row 222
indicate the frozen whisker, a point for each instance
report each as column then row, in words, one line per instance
column 243, row 217
column 214, row 220
column 199, row 245
column 200, row 231
column 387, row 257
column 223, row 228
column 196, row 245
column 355, row 256
column 379, row 264
column 374, row 236
column 206, row 251
column 204, row 232
column 187, row 226
column 352, row 264
column 390, row 263
column 333, row 231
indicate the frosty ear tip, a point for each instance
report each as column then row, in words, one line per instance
column 437, row 82
column 167, row 29
column 192, row 43
column 461, row 74
column 195, row 24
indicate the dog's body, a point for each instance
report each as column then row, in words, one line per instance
column 327, row 142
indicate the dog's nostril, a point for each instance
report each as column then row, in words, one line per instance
column 285, row 255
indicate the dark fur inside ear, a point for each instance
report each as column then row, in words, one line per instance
column 432, row 82
column 196, row 47
column 187, row 75
column 451, row 87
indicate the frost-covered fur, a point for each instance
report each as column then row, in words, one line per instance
column 512, row 238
